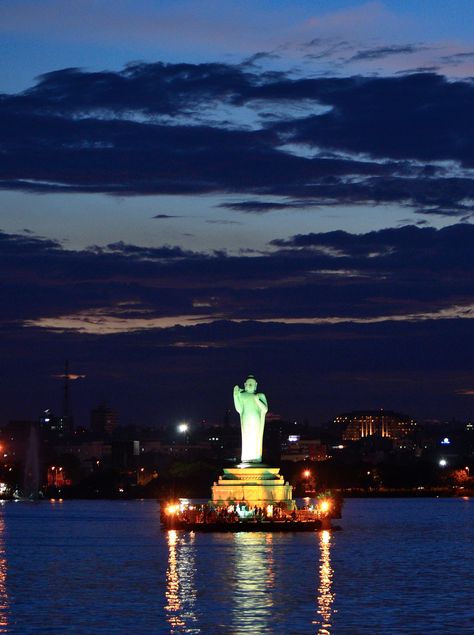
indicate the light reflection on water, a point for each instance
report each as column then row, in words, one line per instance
column 246, row 576
column 173, row 606
column 253, row 582
column 401, row 567
column 325, row 596
column 4, row 604
column 180, row 584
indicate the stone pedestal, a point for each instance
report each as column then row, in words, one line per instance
column 256, row 485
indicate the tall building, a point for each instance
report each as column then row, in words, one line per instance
column 54, row 425
column 383, row 423
column 104, row 420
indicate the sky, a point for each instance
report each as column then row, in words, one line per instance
column 194, row 191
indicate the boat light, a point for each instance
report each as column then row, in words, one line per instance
column 172, row 509
column 324, row 506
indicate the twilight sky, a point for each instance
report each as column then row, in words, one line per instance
column 192, row 191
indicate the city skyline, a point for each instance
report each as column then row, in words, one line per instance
column 188, row 197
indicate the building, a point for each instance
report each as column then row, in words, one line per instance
column 53, row 425
column 297, row 449
column 103, row 420
column 382, row 423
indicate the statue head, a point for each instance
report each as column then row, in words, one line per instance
column 250, row 384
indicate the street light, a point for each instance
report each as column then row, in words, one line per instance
column 183, row 427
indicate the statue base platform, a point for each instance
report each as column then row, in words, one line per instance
column 254, row 485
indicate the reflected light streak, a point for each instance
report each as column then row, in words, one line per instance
column 254, row 583
column 271, row 562
column 4, row 603
column 326, row 595
column 180, row 586
column 173, row 606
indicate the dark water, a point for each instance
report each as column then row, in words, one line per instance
column 398, row 566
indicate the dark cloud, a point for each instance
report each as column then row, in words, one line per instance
column 319, row 272
column 164, row 216
column 254, row 59
column 223, row 222
column 419, row 116
column 407, row 139
column 402, row 241
column 418, row 69
column 381, row 52
column 149, row 88
column 327, row 47
column 257, row 206
column 140, row 253
column 242, row 314
column 457, row 58
column 315, row 313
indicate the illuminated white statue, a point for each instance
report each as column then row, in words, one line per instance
column 252, row 407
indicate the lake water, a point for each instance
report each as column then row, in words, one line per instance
column 398, row 566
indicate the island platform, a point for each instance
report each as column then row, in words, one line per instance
column 233, row 518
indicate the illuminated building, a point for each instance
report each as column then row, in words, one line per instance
column 57, row 476
column 297, row 449
column 53, row 425
column 383, row 423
